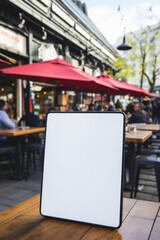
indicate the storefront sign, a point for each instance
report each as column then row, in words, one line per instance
column 12, row 41
column 97, row 44
column 47, row 52
column 41, row 4
column 82, row 31
column 62, row 14
column 45, row 2
column 106, row 52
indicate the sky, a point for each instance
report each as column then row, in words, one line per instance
column 132, row 16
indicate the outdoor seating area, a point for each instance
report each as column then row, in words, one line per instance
column 142, row 150
column 79, row 120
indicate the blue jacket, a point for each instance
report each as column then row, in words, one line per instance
column 5, row 121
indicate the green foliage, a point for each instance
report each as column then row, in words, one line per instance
column 123, row 70
column 141, row 63
column 145, row 54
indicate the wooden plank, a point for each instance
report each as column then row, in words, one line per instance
column 128, row 204
column 148, row 127
column 155, row 234
column 99, row 233
column 138, row 136
column 31, row 225
column 19, row 132
column 25, row 222
column 139, row 222
column 16, row 210
column 145, row 209
column 106, row 233
column 59, row 230
column 134, row 229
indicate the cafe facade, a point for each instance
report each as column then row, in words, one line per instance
column 33, row 31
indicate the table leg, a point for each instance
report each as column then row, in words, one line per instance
column 18, row 171
column 132, row 155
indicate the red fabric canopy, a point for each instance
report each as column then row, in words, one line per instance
column 3, row 63
column 138, row 91
column 124, row 88
column 60, row 73
column 150, row 94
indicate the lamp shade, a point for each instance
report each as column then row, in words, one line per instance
column 124, row 46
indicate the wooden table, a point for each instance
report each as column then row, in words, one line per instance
column 141, row 220
column 138, row 136
column 18, row 133
column 149, row 127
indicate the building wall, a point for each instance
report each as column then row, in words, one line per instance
column 77, row 41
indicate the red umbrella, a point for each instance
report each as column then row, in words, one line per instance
column 150, row 94
column 124, row 87
column 3, row 63
column 135, row 90
column 58, row 72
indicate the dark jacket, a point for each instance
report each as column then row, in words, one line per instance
column 112, row 109
column 137, row 117
column 31, row 120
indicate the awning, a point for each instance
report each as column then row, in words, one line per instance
column 61, row 73
column 3, row 63
column 124, row 88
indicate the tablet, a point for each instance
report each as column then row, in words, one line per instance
column 83, row 167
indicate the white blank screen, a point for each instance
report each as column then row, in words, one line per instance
column 83, row 167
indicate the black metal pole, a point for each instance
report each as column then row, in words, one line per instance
column 30, row 61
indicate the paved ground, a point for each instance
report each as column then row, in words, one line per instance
column 13, row 192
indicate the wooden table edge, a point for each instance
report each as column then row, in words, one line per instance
column 23, row 132
column 139, row 140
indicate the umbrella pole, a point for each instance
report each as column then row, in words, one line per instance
column 102, row 100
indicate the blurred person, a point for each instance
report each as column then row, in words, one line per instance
column 33, row 141
column 146, row 114
column 98, row 108
column 129, row 108
column 91, row 107
column 83, row 109
column 77, row 107
column 52, row 109
column 30, row 120
column 118, row 105
column 111, row 107
column 119, row 109
column 156, row 111
column 5, row 121
column 105, row 108
column 149, row 110
column 137, row 115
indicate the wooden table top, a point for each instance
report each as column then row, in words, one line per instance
column 141, row 220
column 19, row 132
column 149, row 127
column 137, row 136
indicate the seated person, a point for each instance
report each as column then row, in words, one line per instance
column 5, row 121
column 111, row 107
column 33, row 140
column 30, row 119
column 138, row 115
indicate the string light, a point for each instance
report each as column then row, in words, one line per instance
column 22, row 21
